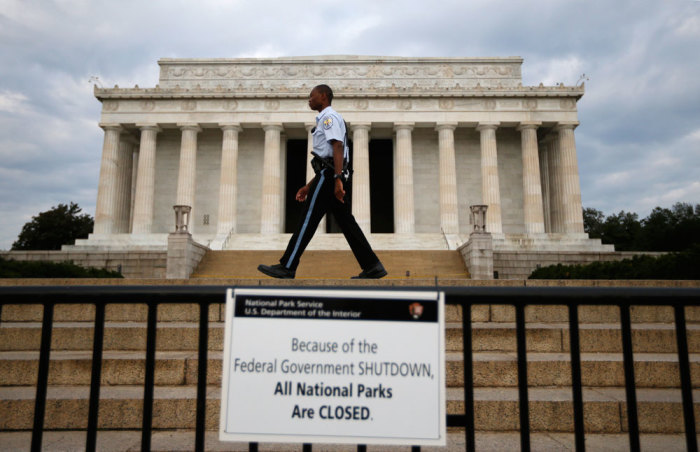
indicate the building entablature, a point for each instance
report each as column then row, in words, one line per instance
column 423, row 112
column 263, row 92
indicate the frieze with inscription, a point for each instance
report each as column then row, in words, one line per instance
column 285, row 72
column 349, row 73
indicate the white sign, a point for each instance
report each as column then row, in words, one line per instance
column 334, row 366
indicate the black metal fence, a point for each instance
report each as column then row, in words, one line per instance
column 467, row 297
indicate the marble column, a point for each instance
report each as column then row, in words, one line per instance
column 544, row 181
column 134, row 175
column 532, row 188
column 449, row 213
column 360, row 177
column 108, row 187
column 283, row 180
column 555, row 184
column 124, row 176
column 142, row 221
column 404, row 215
column 490, row 189
column 187, row 172
column 310, row 174
column 270, row 220
column 572, row 211
column 228, row 185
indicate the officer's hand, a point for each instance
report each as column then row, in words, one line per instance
column 339, row 190
column 302, row 193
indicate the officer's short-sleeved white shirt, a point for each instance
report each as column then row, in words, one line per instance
column 329, row 126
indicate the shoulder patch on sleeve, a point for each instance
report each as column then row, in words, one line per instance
column 328, row 123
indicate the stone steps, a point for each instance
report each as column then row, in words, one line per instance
column 491, row 369
column 335, row 241
column 495, row 409
column 495, row 374
column 173, row 440
column 486, row 336
column 334, row 264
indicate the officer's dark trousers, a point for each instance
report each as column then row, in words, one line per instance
column 321, row 200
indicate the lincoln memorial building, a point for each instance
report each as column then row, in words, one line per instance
column 430, row 137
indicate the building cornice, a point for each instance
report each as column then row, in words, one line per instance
column 339, row 59
column 227, row 93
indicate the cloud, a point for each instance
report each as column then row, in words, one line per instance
column 637, row 178
column 567, row 70
column 13, row 102
column 638, row 142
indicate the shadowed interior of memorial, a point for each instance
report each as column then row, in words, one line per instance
column 381, row 185
column 295, row 179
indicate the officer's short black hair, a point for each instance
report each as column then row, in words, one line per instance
column 325, row 89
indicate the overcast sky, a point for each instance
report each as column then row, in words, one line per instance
column 638, row 142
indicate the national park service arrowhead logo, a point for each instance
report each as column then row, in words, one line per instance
column 416, row 310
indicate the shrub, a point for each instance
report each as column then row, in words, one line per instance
column 40, row 269
column 682, row 265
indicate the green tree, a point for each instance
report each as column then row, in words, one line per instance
column 674, row 229
column 593, row 220
column 622, row 229
column 658, row 229
column 59, row 226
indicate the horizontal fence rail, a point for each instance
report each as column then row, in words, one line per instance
column 467, row 297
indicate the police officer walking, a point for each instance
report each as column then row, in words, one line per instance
column 326, row 193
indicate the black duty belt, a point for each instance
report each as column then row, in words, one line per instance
column 319, row 164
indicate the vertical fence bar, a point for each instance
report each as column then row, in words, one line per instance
column 361, row 448
column 574, row 346
column 686, row 386
column 150, row 371
column 630, row 389
column 415, row 448
column 202, row 375
column 42, row 380
column 96, row 377
column 522, row 378
column 307, row 447
column 252, row 447
column 468, row 377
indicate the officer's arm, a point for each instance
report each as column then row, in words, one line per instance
column 308, row 184
column 338, row 156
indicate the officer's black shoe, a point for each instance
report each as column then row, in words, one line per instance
column 277, row 271
column 375, row 272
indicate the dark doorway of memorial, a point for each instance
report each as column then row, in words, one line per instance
column 381, row 185
column 295, row 178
